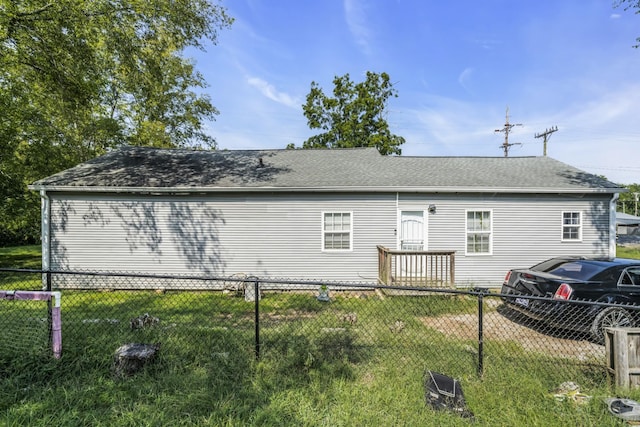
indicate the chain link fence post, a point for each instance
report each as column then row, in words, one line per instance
column 49, row 308
column 480, row 335
column 256, row 295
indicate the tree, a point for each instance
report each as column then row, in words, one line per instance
column 81, row 77
column 629, row 202
column 626, row 5
column 354, row 117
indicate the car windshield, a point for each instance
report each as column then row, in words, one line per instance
column 574, row 269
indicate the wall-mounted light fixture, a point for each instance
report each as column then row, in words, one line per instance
column 432, row 209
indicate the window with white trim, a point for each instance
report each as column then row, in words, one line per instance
column 337, row 230
column 571, row 226
column 479, row 232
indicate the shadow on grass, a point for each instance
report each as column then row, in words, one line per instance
column 27, row 257
column 212, row 378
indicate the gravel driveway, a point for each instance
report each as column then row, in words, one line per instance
column 501, row 327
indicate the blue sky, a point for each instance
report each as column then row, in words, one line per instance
column 457, row 66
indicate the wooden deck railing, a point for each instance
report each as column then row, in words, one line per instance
column 431, row 269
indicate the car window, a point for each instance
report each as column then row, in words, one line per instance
column 579, row 270
column 631, row 277
column 625, row 279
column 549, row 264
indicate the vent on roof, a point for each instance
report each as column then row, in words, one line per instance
column 260, row 162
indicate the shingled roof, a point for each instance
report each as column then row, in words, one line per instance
column 362, row 169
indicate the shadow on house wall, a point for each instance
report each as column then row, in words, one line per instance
column 155, row 226
column 151, row 230
column 599, row 211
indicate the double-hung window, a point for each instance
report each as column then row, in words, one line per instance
column 336, row 231
column 571, row 226
column 479, row 232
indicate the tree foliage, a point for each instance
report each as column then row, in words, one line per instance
column 629, row 202
column 81, row 77
column 626, row 5
column 354, row 117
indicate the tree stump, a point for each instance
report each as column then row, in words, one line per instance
column 130, row 358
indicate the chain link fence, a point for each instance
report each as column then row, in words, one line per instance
column 299, row 326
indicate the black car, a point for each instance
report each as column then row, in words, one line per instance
column 559, row 280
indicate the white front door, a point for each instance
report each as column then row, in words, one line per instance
column 412, row 230
column 412, row 238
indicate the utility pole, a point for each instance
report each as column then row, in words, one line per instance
column 506, row 129
column 546, row 135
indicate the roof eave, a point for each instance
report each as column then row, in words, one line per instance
column 339, row 189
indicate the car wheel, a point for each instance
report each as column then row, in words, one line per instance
column 610, row 317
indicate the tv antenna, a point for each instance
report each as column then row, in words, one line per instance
column 507, row 129
column 546, row 135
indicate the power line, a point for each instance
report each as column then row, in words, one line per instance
column 546, row 135
column 507, row 129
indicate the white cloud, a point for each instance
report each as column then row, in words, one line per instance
column 446, row 126
column 465, row 76
column 357, row 22
column 601, row 135
column 487, row 43
column 560, row 72
column 272, row 93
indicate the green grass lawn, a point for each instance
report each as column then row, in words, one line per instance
column 314, row 369
column 21, row 257
column 626, row 252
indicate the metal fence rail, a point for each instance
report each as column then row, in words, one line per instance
column 235, row 320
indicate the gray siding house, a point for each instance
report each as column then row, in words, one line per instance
column 318, row 214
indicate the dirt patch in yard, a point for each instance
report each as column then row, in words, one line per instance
column 506, row 326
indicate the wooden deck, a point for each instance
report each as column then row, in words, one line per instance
column 428, row 269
